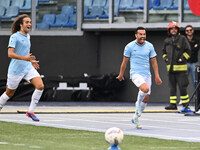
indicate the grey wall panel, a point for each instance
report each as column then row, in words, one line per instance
column 68, row 56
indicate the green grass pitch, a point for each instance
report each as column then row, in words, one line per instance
column 15, row 136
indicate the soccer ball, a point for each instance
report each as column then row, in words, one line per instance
column 114, row 136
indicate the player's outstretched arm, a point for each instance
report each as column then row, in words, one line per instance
column 120, row 77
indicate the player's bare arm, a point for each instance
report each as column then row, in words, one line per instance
column 12, row 54
column 120, row 77
column 155, row 68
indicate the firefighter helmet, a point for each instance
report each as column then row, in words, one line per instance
column 171, row 25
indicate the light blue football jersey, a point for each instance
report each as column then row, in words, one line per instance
column 21, row 44
column 139, row 57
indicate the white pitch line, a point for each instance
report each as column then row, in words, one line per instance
column 3, row 143
column 20, row 144
column 36, row 147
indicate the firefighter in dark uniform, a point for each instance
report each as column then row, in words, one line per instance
column 176, row 52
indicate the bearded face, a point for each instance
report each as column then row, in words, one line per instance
column 174, row 31
column 140, row 36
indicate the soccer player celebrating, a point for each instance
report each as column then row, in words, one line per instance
column 23, row 64
column 140, row 52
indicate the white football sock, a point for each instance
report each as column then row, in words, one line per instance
column 140, row 97
column 143, row 106
column 3, row 99
column 35, row 99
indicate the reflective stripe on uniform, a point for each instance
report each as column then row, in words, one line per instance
column 168, row 67
column 173, row 101
column 173, row 97
column 185, row 99
column 164, row 55
column 186, row 55
column 178, row 67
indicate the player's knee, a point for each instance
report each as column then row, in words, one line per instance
column 40, row 87
column 144, row 88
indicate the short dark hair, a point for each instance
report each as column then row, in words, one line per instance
column 139, row 28
column 189, row 26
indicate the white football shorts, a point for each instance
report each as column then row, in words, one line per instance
column 138, row 80
column 14, row 80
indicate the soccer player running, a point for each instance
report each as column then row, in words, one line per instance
column 140, row 52
column 23, row 64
